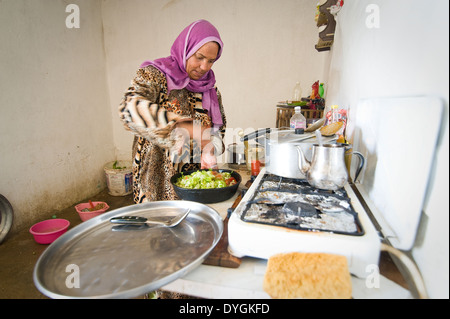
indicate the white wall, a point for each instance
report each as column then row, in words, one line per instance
column 406, row 56
column 61, row 87
column 268, row 47
column 55, row 122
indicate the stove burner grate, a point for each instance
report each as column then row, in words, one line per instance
column 294, row 204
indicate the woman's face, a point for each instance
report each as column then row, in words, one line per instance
column 202, row 60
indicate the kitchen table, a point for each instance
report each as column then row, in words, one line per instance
column 246, row 281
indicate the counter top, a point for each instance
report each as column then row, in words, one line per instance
column 246, row 281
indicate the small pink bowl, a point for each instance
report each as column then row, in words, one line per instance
column 88, row 215
column 47, row 231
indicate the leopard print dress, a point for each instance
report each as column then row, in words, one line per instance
column 143, row 110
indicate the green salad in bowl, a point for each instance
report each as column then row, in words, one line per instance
column 205, row 179
column 206, row 185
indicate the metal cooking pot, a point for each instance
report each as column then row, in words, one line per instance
column 281, row 154
column 282, row 158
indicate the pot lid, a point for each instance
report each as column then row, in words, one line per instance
column 288, row 136
column 276, row 135
column 98, row 259
column 398, row 141
column 6, row 217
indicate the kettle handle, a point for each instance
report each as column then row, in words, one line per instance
column 362, row 161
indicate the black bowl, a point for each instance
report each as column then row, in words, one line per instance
column 206, row 196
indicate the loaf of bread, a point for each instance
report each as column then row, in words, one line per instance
column 308, row 275
column 331, row 129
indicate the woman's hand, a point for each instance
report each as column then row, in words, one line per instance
column 188, row 128
column 208, row 158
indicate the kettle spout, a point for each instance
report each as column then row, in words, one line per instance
column 303, row 164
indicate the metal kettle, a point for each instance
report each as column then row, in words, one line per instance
column 327, row 168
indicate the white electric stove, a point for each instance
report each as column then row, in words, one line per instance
column 247, row 236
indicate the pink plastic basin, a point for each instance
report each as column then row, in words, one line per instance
column 47, row 231
column 88, row 215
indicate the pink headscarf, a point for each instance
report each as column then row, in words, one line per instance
column 192, row 38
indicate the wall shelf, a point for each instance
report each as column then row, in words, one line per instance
column 326, row 36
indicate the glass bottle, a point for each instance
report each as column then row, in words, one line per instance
column 297, row 93
column 321, row 90
column 334, row 114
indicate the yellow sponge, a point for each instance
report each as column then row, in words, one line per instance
column 308, row 275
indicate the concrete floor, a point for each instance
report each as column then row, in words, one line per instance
column 19, row 252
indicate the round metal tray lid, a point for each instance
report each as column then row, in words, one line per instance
column 98, row 259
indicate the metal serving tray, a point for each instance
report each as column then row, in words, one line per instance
column 98, row 259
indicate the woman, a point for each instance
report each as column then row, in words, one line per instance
column 175, row 112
